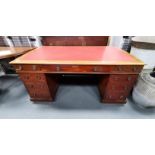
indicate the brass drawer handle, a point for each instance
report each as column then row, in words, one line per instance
column 121, row 97
column 95, row 69
column 109, row 97
column 38, row 77
column 57, row 68
column 119, row 68
column 125, row 88
column 134, row 69
column 129, row 78
column 34, row 67
column 19, row 68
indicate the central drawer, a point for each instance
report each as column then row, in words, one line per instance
column 76, row 68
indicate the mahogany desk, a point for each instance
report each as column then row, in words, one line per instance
column 39, row 70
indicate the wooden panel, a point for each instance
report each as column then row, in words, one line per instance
column 102, row 69
column 39, row 86
column 74, row 40
column 116, row 88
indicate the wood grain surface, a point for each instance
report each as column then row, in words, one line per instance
column 8, row 52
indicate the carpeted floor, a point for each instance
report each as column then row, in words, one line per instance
column 75, row 99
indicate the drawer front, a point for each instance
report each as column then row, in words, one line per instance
column 115, row 96
column 128, row 68
column 119, row 87
column 76, row 68
column 79, row 68
column 29, row 78
column 123, row 79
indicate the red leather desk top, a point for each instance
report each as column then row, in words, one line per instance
column 77, row 55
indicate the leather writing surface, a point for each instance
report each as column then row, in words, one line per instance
column 77, row 53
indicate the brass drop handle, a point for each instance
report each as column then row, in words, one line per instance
column 95, row 69
column 57, row 68
column 110, row 96
column 19, row 68
column 38, row 77
column 34, row 67
column 125, row 88
column 134, row 68
column 129, row 78
column 121, row 97
column 119, row 68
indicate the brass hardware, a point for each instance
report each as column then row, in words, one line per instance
column 125, row 87
column 38, row 77
column 119, row 68
column 129, row 78
column 109, row 96
column 75, row 66
column 95, row 69
column 19, row 68
column 134, row 68
column 34, row 67
column 57, row 68
column 121, row 97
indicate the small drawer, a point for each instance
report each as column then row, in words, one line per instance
column 49, row 68
column 118, row 87
column 37, row 86
column 128, row 68
column 123, row 78
column 115, row 96
column 32, row 77
column 26, row 77
column 76, row 68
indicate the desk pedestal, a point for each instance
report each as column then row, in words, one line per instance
column 114, row 88
column 39, row 86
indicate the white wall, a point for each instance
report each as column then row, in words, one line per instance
column 116, row 41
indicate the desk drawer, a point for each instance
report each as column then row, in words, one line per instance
column 79, row 68
column 112, row 95
column 123, row 79
column 76, row 68
column 128, row 68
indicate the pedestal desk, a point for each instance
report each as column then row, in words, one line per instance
column 40, row 69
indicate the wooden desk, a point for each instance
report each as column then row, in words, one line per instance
column 40, row 69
